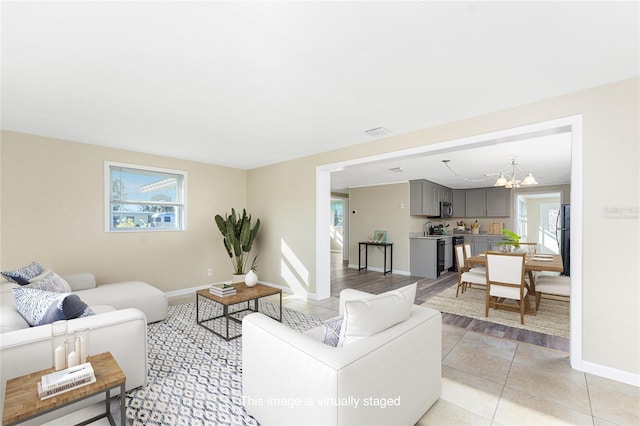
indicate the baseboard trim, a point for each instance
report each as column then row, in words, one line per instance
column 376, row 269
column 609, row 373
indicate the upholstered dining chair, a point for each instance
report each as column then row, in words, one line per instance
column 551, row 285
column 505, row 280
column 529, row 248
column 467, row 253
column 464, row 276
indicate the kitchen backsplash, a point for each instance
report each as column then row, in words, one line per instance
column 417, row 224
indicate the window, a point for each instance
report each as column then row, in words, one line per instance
column 142, row 198
column 337, row 212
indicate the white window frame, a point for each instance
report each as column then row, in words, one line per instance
column 182, row 193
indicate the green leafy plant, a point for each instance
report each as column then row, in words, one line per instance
column 238, row 238
column 513, row 239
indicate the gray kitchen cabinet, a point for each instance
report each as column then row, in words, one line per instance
column 459, row 202
column 423, row 257
column 489, row 202
column 475, row 203
column 430, row 194
column 448, row 253
column 415, row 198
column 482, row 243
column 424, row 197
column 498, row 202
column 444, row 194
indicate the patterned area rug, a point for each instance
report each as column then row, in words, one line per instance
column 552, row 318
column 195, row 377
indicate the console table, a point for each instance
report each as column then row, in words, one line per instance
column 366, row 245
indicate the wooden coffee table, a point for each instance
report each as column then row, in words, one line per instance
column 244, row 295
column 21, row 401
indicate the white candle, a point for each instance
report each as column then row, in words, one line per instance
column 59, row 357
column 72, row 360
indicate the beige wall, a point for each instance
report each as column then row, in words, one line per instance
column 385, row 208
column 65, row 180
column 284, row 195
column 53, row 213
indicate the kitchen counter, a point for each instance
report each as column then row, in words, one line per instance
column 420, row 235
column 482, row 234
column 432, row 237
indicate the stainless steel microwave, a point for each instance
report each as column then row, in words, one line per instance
column 446, row 209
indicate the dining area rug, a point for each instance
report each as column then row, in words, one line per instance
column 552, row 318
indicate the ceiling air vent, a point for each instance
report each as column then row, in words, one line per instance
column 376, row 132
column 396, row 170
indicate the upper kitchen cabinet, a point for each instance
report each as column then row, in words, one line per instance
column 489, row 202
column 459, row 202
column 498, row 202
column 475, row 203
column 425, row 197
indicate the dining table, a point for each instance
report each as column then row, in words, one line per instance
column 537, row 262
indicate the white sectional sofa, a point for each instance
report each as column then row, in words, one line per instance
column 119, row 326
column 391, row 377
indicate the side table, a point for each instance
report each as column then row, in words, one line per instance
column 21, row 401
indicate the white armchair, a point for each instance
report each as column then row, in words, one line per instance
column 392, row 377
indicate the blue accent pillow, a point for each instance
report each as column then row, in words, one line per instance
column 40, row 307
column 24, row 274
column 332, row 328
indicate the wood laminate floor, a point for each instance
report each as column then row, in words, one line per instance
column 376, row 282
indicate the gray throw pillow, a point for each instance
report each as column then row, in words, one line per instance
column 24, row 274
column 332, row 331
column 40, row 307
column 49, row 281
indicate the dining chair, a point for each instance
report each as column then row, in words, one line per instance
column 464, row 275
column 477, row 269
column 530, row 248
column 505, row 280
column 551, row 285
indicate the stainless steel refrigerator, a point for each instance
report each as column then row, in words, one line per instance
column 563, row 236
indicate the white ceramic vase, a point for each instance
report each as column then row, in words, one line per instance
column 250, row 279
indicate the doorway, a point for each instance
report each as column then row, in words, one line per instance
column 571, row 124
column 339, row 228
column 538, row 215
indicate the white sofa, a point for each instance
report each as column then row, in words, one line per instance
column 119, row 326
column 392, row 377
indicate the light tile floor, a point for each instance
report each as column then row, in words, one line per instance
column 489, row 380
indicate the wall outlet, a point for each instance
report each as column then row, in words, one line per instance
column 210, row 272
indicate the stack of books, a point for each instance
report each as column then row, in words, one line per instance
column 65, row 380
column 222, row 289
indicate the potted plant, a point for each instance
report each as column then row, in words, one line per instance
column 512, row 239
column 238, row 240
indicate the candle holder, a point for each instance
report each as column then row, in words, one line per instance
column 58, row 337
column 72, row 352
column 82, row 338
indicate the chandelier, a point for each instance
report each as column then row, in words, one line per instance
column 509, row 178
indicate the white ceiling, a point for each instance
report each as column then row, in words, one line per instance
column 548, row 158
column 247, row 84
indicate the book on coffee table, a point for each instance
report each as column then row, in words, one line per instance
column 222, row 289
